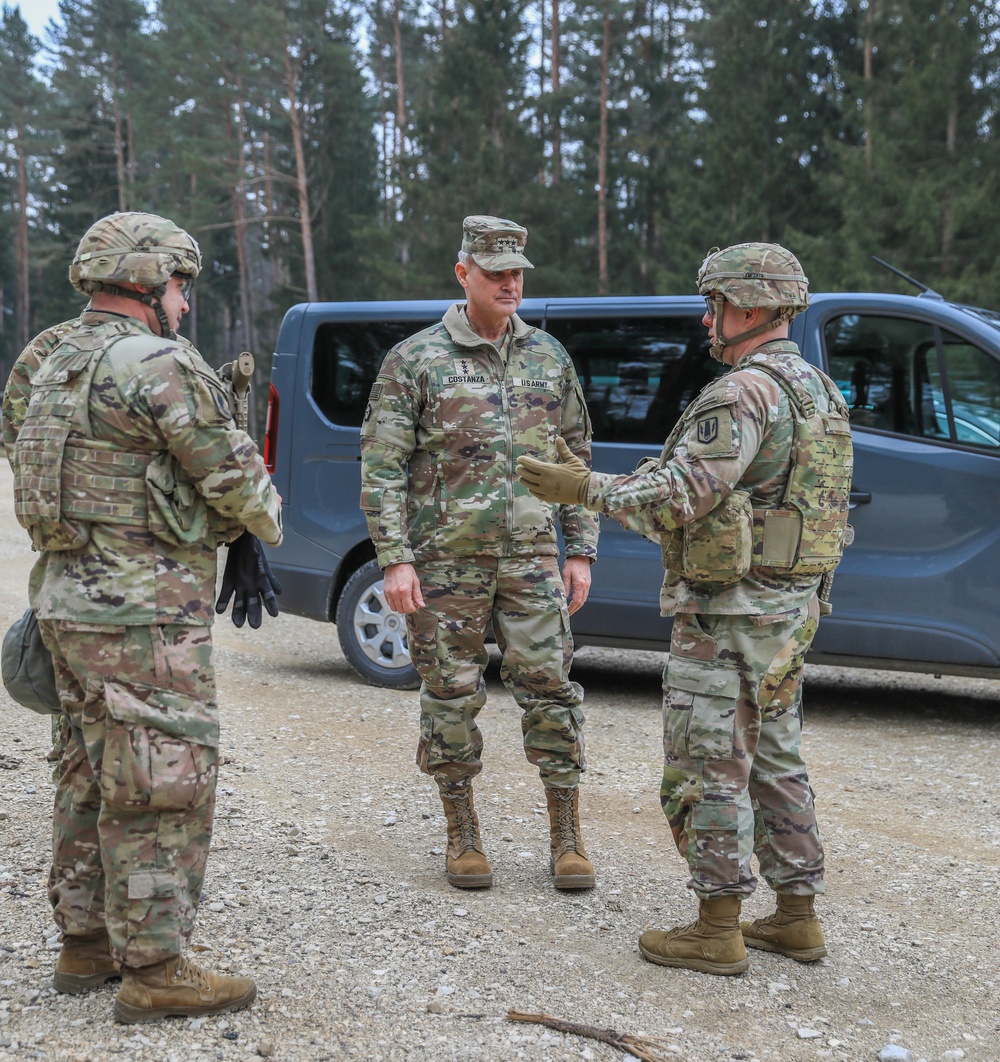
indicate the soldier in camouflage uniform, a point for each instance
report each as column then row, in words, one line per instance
column 15, row 404
column 463, row 545
column 749, row 500
column 128, row 473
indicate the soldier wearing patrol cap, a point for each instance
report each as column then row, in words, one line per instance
column 749, row 501
column 465, row 547
column 128, row 473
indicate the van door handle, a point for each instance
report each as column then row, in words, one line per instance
column 859, row 497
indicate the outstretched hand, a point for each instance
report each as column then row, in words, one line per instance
column 564, row 483
column 247, row 579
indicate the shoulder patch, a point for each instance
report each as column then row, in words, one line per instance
column 711, row 435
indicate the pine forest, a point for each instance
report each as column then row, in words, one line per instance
column 329, row 149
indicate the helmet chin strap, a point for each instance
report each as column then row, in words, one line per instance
column 150, row 299
column 722, row 341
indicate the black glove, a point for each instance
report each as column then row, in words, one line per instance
column 248, row 576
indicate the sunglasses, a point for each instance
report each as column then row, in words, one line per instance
column 710, row 305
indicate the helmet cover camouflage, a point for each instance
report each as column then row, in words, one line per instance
column 496, row 244
column 756, row 274
column 133, row 248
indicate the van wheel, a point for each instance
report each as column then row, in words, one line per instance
column 372, row 636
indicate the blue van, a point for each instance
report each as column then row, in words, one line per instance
column 916, row 591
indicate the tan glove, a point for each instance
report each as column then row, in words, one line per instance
column 564, row 483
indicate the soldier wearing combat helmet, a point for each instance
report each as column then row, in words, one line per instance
column 464, row 546
column 749, row 501
column 128, row 473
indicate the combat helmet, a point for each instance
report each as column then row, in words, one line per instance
column 134, row 248
column 751, row 275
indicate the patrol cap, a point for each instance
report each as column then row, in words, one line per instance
column 495, row 244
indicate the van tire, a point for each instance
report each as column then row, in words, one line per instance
column 372, row 636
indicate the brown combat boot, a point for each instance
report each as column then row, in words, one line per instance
column 176, row 986
column 792, row 930
column 465, row 864
column 711, row 945
column 570, row 866
column 84, row 963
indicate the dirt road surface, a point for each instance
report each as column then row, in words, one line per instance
column 325, row 880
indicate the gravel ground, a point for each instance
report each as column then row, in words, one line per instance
column 325, row 880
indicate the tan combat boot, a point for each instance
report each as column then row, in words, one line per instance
column 711, row 945
column 176, row 986
column 570, row 866
column 465, row 864
column 84, row 963
column 792, row 930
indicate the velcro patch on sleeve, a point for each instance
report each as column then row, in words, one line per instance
column 711, row 435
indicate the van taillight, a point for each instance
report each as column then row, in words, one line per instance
column 271, row 430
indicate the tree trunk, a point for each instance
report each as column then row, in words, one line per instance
column 21, row 249
column 602, row 161
column 541, row 111
column 947, row 205
column 302, row 179
column 119, row 141
column 556, row 106
column 249, row 338
column 869, row 83
column 397, row 36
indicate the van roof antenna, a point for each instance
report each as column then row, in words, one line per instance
column 927, row 292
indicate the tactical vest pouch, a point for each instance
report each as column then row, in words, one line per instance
column 718, row 548
column 784, row 542
column 178, row 515
column 38, row 487
column 807, row 534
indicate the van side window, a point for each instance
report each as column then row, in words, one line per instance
column 973, row 393
column 912, row 378
column 347, row 356
column 638, row 373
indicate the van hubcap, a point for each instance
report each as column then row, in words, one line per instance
column 380, row 632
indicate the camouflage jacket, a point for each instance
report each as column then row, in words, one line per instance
column 18, row 390
column 158, row 400
column 738, row 434
column 447, row 420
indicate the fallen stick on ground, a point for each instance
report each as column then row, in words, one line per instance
column 642, row 1047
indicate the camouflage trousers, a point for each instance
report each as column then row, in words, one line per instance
column 525, row 601
column 135, row 787
column 734, row 781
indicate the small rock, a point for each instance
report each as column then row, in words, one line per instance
column 390, row 819
column 895, row 1053
column 956, row 1053
column 808, row 1034
column 265, row 1049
